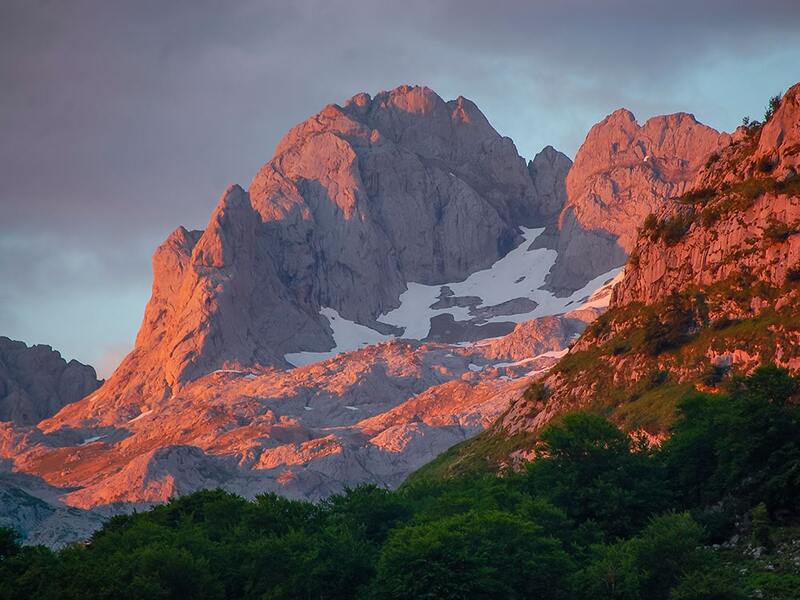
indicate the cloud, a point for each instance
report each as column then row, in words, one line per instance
column 122, row 120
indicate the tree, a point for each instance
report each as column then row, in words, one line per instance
column 9, row 543
column 744, row 446
column 648, row 565
column 472, row 556
column 591, row 470
column 772, row 106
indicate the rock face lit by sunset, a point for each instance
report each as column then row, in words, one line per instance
column 525, row 327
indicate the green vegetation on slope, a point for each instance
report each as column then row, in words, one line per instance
column 635, row 363
column 597, row 515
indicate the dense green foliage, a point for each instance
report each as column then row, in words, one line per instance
column 597, row 515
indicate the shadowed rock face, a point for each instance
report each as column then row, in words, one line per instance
column 623, row 172
column 35, row 382
column 548, row 171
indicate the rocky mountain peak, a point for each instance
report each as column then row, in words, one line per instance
column 548, row 171
column 358, row 201
column 744, row 199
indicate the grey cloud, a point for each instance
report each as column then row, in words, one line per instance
column 122, row 120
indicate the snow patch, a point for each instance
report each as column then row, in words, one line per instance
column 89, row 440
column 519, row 274
column 347, row 336
column 140, row 416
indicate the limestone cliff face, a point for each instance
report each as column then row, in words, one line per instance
column 622, row 172
column 35, row 382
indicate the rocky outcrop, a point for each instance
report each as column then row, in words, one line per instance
column 33, row 509
column 760, row 240
column 532, row 338
column 36, row 382
column 369, row 416
column 622, row 172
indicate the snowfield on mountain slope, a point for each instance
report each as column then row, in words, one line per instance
column 519, row 275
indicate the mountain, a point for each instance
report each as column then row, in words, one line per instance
column 378, row 294
column 711, row 290
column 35, row 382
column 357, row 202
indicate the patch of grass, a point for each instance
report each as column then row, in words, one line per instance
column 654, row 410
column 478, row 455
column 698, row 196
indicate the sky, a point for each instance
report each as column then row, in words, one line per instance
column 120, row 121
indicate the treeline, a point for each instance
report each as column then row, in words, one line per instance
column 597, row 515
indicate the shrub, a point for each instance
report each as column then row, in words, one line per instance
column 761, row 535
column 778, row 231
column 793, row 274
column 773, row 105
column 714, row 157
column 536, row 392
column 674, row 229
column 765, row 164
column 671, row 329
column 714, row 374
column 620, row 347
column 710, row 215
column 698, row 196
column 650, row 223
